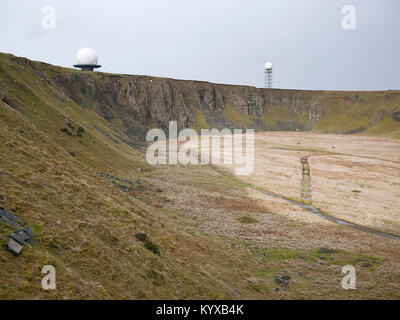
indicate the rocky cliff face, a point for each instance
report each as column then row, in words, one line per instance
column 136, row 103
column 144, row 101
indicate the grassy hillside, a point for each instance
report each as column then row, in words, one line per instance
column 86, row 226
column 71, row 166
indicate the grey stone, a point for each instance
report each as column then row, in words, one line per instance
column 29, row 232
column 278, row 280
column 307, row 276
column 327, row 251
column 300, row 274
column 366, row 265
column 8, row 217
column 23, row 234
column 20, row 236
column 282, row 281
column 14, row 246
column 286, row 277
column 314, row 264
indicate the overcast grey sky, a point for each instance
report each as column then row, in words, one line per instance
column 224, row 41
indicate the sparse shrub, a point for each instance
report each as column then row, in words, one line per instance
column 247, row 220
column 66, row 131
column 80, row 132
column 148, row 244
column 141, row 237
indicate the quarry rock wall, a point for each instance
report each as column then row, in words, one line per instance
column 138, row 103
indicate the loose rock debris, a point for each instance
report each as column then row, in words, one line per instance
column 283, row 280
column 21, row 235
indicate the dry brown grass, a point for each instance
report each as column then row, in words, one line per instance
column 282, row 227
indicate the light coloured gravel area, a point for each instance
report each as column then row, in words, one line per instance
column 354, row 178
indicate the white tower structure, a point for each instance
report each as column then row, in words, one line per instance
column 268, row 75
column 87, row 59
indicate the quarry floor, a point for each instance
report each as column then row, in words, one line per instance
column 354, row 178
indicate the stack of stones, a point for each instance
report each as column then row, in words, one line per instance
column 306, row 181
column 22, row 234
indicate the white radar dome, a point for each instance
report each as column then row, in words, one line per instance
column 268, row 65
column 86, row 56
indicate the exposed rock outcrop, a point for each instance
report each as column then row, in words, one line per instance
column 133, row 104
